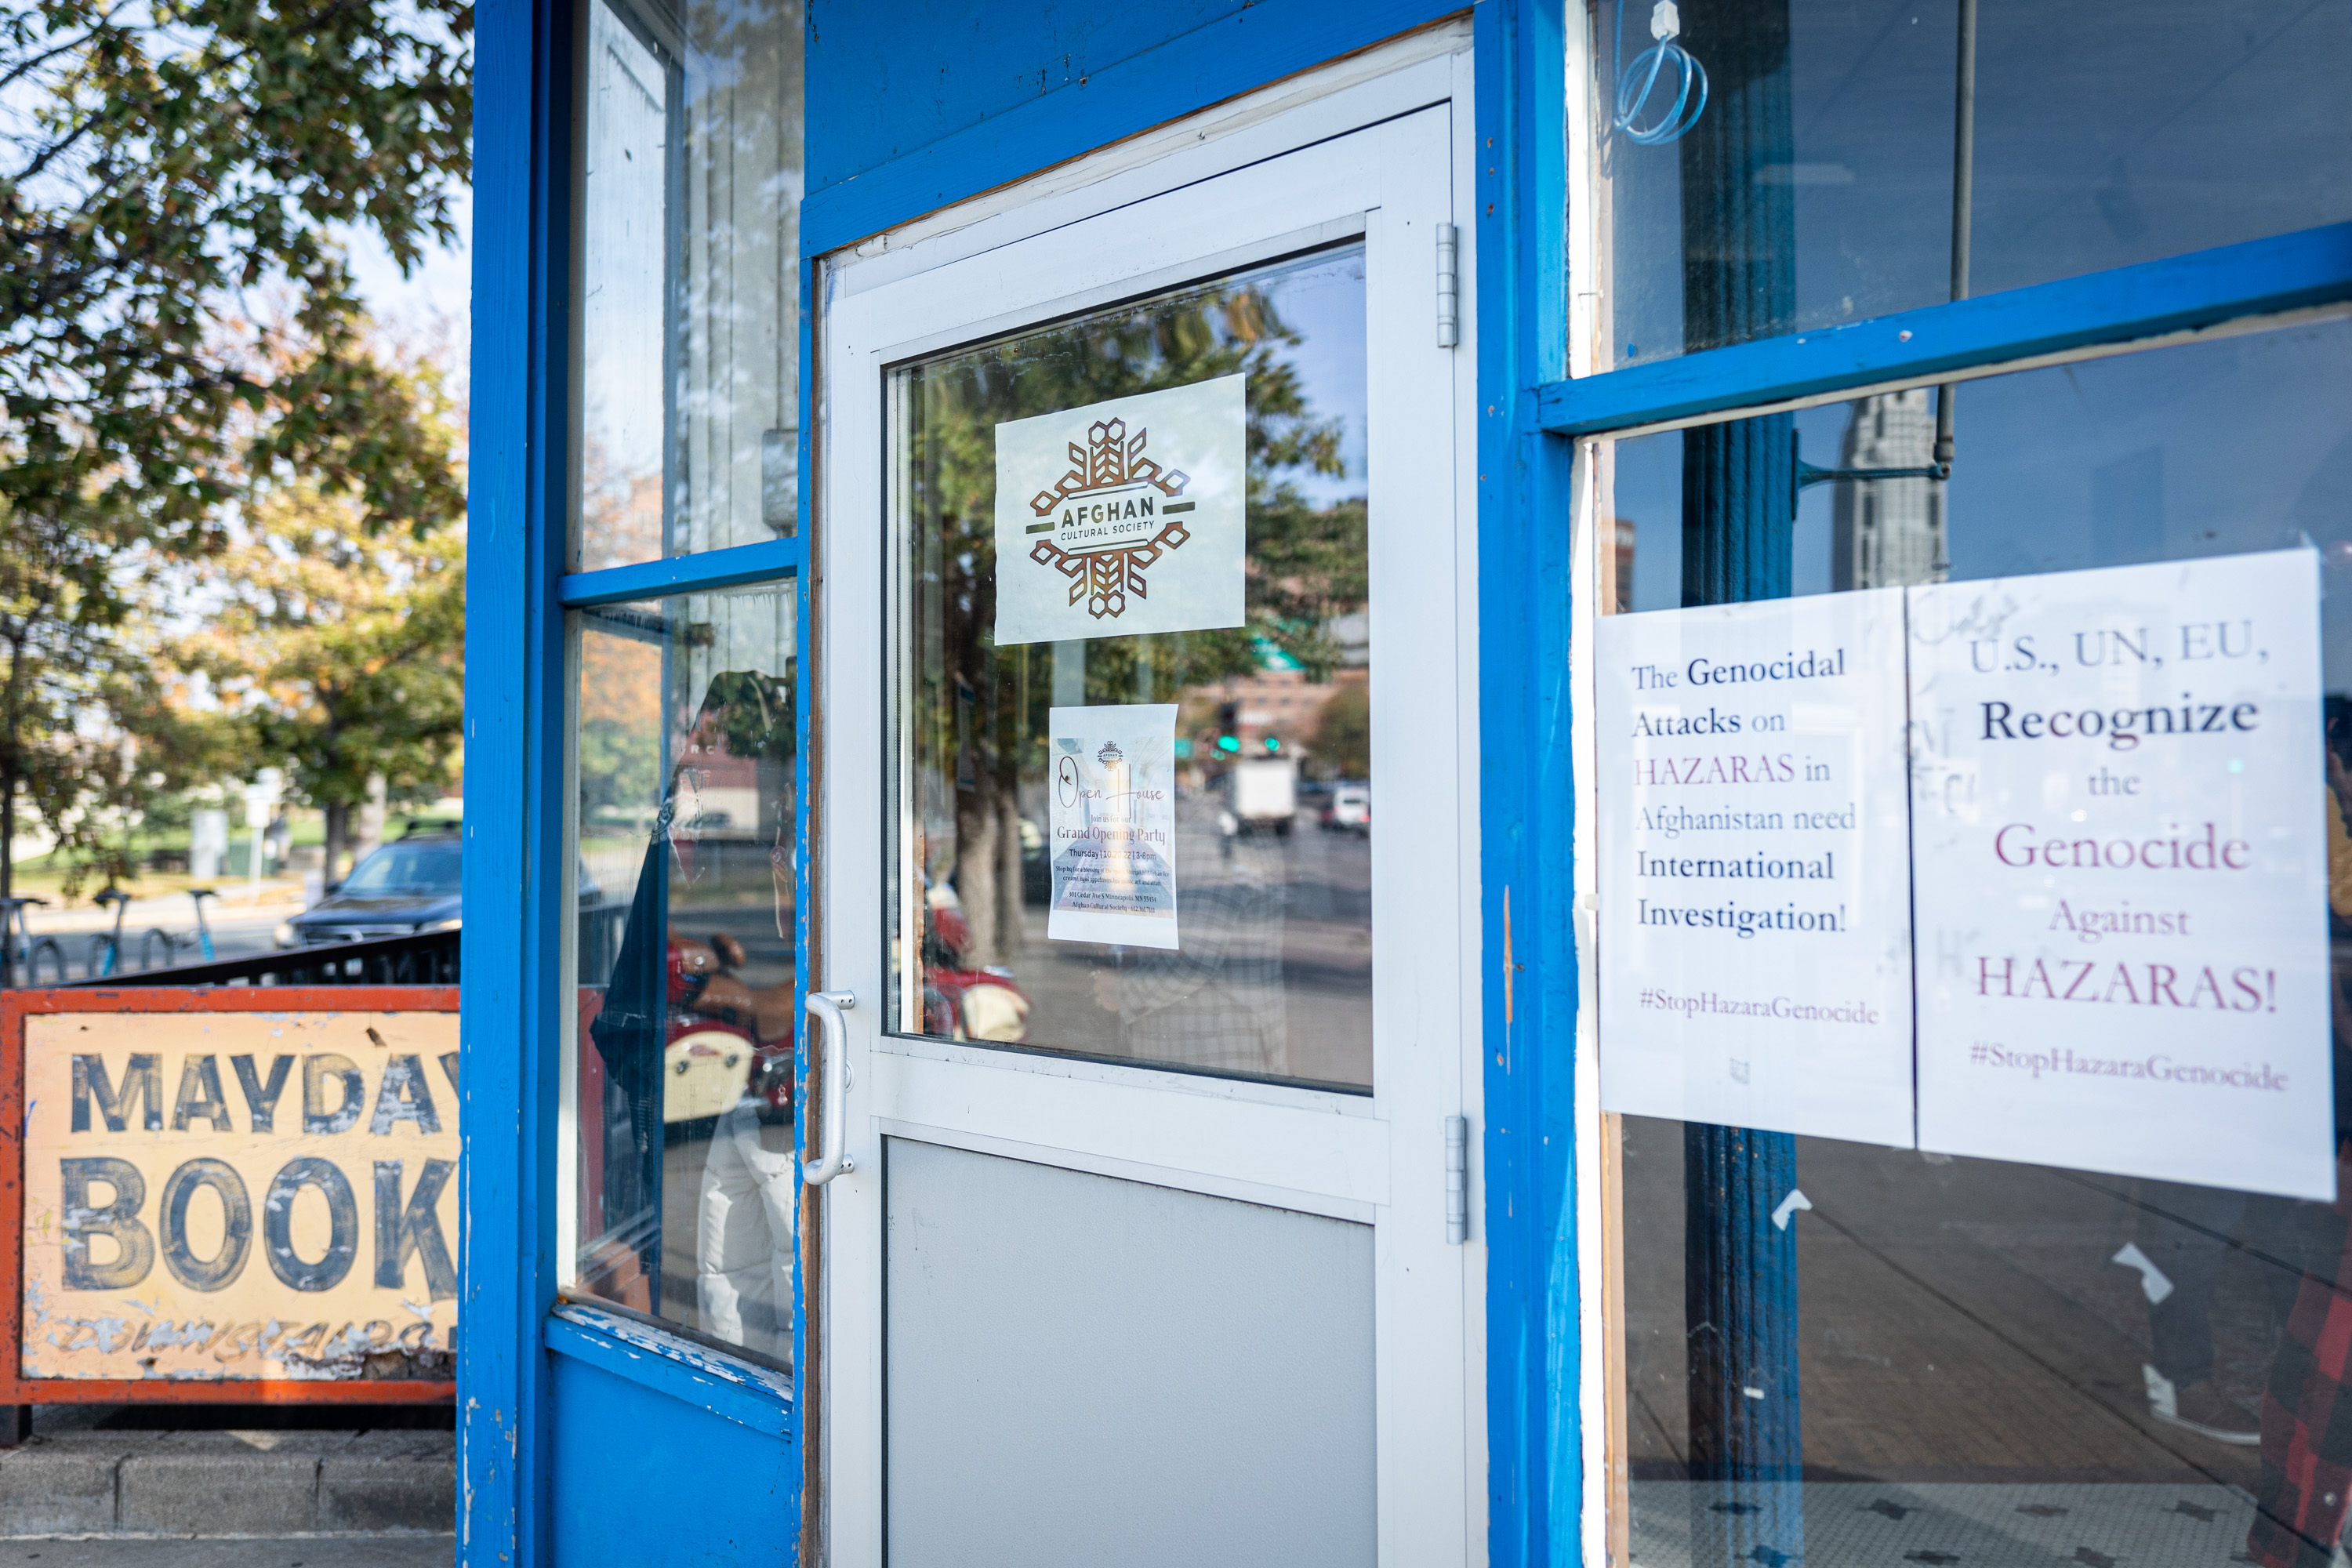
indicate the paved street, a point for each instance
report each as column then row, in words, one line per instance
column 239, row 936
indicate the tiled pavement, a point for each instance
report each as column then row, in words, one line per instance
column 1870, row 1524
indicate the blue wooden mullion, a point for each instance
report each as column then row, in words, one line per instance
column 510, row 1011
column 1527, row 982
column 2295, row 271
column 697, row 573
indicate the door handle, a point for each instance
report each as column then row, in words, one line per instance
column 832, row 1116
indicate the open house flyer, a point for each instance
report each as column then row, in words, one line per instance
column 1754, row 874
column 2121, row 870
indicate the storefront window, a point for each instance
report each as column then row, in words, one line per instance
column 1789, row 165
column 681, row 1081
column 1839, row 1352
column 1147, row 845
column 688, row 278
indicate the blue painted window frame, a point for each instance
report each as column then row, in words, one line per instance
column 2117, row 310
column 1535, row 418
column 1536, row 1477
column 514, row 1020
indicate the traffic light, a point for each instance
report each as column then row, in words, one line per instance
column 1229, row 727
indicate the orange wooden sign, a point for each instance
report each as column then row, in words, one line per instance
column 243, row 1194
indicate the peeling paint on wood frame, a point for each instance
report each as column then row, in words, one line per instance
column 698, row 1375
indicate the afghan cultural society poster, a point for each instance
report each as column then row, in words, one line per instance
column 1756, row 934
column 1113, row 841
column 2124, row 846
column 1123, row 517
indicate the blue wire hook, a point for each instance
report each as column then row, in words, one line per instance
column 1636, row 85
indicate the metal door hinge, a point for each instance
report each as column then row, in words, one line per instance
column 1457, row 1179
column 1449, row 286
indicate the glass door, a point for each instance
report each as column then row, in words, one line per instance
column 1138, row 578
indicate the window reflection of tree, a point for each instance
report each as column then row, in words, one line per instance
column 979, row 715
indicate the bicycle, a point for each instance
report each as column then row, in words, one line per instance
column 106, row 947
column 173, row 941
column 19, row 946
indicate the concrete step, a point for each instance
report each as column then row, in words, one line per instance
column 269, row 1482
column 275, row 1551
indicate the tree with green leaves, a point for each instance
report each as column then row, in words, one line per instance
column 166, row 172
column 340, row 645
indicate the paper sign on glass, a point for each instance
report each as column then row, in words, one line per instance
column 1113, row 842
column 1754, row 878
column 1124, row 517
column 2121, row 813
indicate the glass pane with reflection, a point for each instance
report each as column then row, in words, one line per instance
column 1812, row 182
column 682, row 1077
column 1952, row 1361
column 689, row 255
column 1273, row 788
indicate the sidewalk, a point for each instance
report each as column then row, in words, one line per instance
column 279, row 899
column 81, row 1475
column 284, row 1552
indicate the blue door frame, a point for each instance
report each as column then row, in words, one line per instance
column 1037, row 85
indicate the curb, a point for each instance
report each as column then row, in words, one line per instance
column 216, row 1484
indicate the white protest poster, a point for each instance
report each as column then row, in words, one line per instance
column 1112, row 775
column 1124, row 517
column 2121, row 873
column 1755, row 937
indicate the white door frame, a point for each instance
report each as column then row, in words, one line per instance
column 1387, row 155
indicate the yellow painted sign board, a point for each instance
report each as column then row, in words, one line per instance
column 218, row 1194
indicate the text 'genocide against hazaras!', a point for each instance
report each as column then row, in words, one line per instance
column 2122, row 858
column 231, row 1195
column 1755, row 939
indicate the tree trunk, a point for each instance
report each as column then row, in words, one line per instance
column 975, row 875
column 1008, row 876
column 338, row 818
column 370, row 837
column 8, row 884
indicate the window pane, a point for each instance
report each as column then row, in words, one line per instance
column 689, row 242
column 1269, row 836
column 1814, row 184
column 684, row 749
column 1958, row 1359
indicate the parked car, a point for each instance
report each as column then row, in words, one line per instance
column 1350, row 809
column 407, row 886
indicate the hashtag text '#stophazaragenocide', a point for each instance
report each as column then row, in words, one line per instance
column 2158, row 1066
column 1760, row 1007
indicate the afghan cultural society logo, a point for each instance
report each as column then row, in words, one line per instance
column 1111, row 518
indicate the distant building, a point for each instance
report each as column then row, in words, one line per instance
column 1889, row 532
